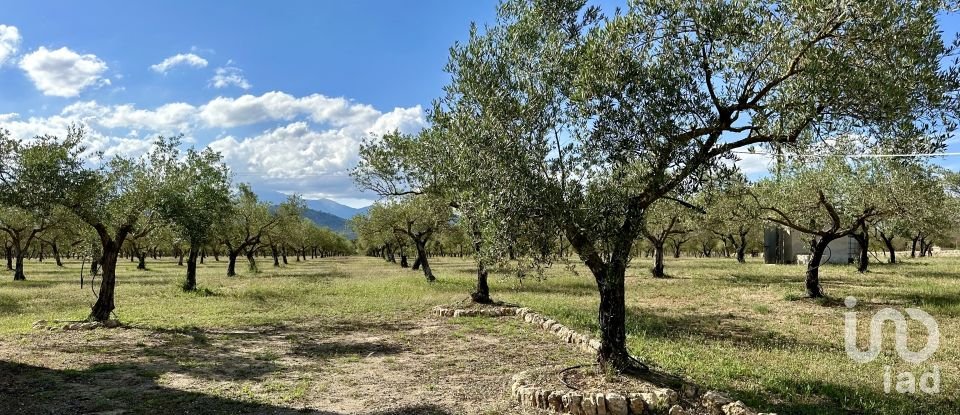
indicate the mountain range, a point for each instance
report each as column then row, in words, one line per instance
column 323, row 212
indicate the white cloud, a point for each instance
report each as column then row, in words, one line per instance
column 337, row 112
column 310, row 151
column 180, row 59
column 249, row 109
column 306, row 151
column 173, row 118
column 406, row 120
column 94, row 141
column 753, row 164
column 9, row 42
column 63, row 72
column 229, row 76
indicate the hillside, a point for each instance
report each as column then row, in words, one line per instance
column 333, row 222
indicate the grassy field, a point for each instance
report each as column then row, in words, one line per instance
column 253, row 343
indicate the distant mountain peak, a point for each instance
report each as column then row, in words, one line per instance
column 321, row 205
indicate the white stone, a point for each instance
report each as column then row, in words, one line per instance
column 617, row 404
column 555, row 401
column 654, row 403
column 677, row 410
column 737, row 408
column 637, row 404
column 600, row 401
column 572, row 403
column 667, row 395
column 714, row 401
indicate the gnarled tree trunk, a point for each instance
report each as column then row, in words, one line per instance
column 482, row 292
column 232, row 263
column 56, row 254
column 657, row 269
column 863, row 258
column 276, row 256
column 190, row 284
column 888, row 242
column 813, row 267
column 423, row 262
column 108, row 281
column 252, row 262
column 18, row 274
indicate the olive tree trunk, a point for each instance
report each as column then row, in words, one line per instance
column 190, row 284
column 423, row 262
column 813, row 267
column 232, row 263
column 252, row 262
column 56, row 254
column 888, row 242
column 18, row 274
column 108, row 281
column 863, row 259
column 482, row 293
column 657, row 269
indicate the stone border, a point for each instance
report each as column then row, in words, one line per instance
column 74, row 325
column 503, row 311
column 664, row 401
column 658, row 401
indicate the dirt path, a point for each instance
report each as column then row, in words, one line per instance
column 421, row 366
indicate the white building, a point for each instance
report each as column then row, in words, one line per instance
column 787, row 246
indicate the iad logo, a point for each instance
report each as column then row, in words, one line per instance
column 906, row 382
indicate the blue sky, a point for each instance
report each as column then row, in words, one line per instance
column 284, row 89
column 370, row 64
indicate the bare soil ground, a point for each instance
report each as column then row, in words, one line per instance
column 426, row 366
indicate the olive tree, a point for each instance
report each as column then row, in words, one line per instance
column 594, row 119
column 194, row 197
column 663, row 220
column 431, row 163
column 850, row 195
column 111, row 196
column 242, row 228
column 731, row 213
column 419, row 218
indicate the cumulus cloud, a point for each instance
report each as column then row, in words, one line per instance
column 95, row 141
column 753, row 164
column 172, row 118
column 229, row 76
column 9, row 42
column 310, row 151
column 251, row 109
column 180, row 59
column 63, row 72
column 406, row 120
column 307, row 152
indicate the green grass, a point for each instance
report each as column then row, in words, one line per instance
column 741, row 328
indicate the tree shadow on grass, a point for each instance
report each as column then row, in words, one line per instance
column 9, row 304
column 329, row 349
column 804, row 396
column 248, row 354
column 133, row 389
column 712, row 327
column 786, row 391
